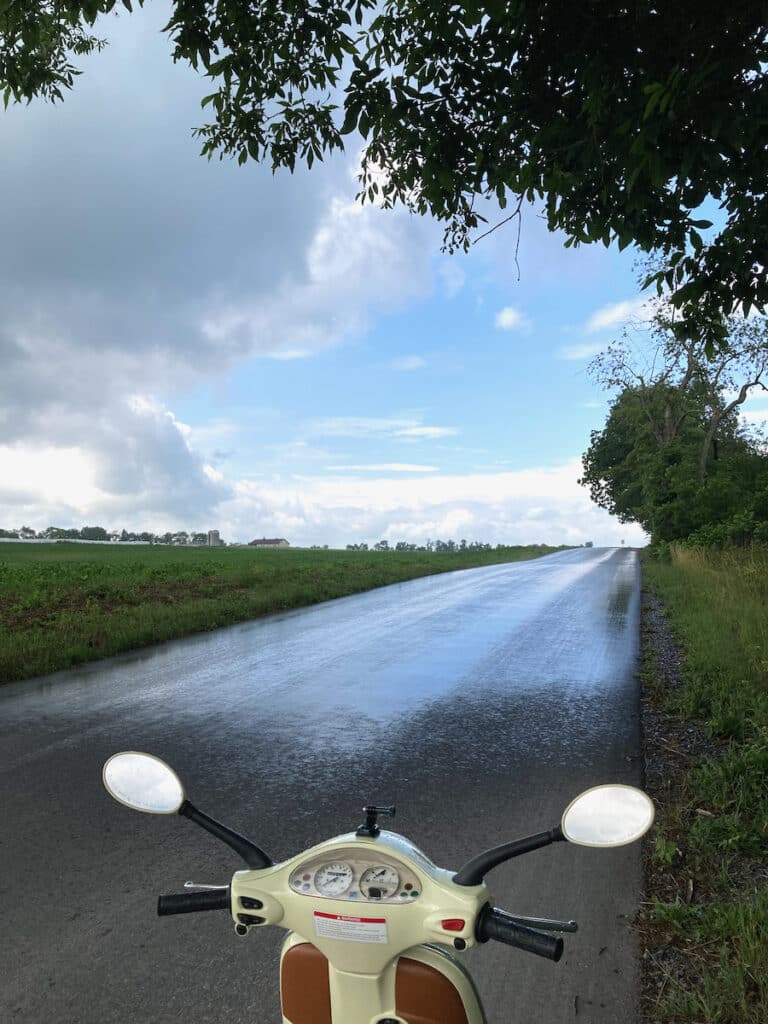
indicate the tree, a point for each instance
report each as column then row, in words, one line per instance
column 622, row 118
column 657, row 484
column 666, row 371
column 94, row 533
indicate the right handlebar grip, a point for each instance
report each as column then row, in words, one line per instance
column 493, row 923
column 191, row 902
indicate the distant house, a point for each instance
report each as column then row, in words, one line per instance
column 274, row 542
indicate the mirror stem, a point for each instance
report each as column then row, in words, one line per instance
column 475, row 870
column 252, row 854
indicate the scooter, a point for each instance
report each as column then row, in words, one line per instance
column 370, row 919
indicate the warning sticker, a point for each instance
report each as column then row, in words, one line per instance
column 350, row 929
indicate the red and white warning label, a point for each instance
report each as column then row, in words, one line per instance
column 350, row 929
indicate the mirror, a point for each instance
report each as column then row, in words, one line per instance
column 608, row 816
column 143, row 782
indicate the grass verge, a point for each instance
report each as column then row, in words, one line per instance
column 65, row 604
column 704, row 926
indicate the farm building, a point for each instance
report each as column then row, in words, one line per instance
column 274, row 542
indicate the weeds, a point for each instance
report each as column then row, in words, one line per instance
column 717, row 603
column 729, row 941
column 665, row 850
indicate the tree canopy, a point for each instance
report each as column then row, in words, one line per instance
column 622, row 119
column 673, row 454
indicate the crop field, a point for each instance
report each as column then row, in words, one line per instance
column 64, row 604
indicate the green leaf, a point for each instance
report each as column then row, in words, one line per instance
column 655, row 92
column 350, row 119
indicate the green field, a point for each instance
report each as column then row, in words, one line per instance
column 713, row 829
column 64, row 604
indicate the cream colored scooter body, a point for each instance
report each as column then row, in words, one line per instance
column 365, row 909
column 354, row 959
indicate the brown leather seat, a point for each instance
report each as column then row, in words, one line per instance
column 422, row 994
column 425, row 996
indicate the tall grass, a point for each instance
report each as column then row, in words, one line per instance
column 717, row 603
column 64, row 604
column 730, row 939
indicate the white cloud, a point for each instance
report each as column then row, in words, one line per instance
column 583, row 351
column 127, row 464
column 511, row 319
column 385, row 467
column 49, row 475
column 619, row 313
column 408, row 363
column 427, row 432
column 755, row 415
column 366, row 426
column 359, row 260
column 452, row 277
column 526, row 506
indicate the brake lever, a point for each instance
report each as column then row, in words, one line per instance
column 199, row 885
column 545, row 924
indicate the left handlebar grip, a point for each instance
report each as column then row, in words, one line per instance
column 191, row 902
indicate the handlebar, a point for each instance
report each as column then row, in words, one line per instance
column 493, row 923
column 191, row 902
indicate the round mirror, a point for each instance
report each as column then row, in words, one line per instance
column 143, row 782
column 608, row 816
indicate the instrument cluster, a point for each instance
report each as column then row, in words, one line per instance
column 345, row 875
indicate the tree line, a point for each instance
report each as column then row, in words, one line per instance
column 186, row 539
column 441, row 546
column 99, row 533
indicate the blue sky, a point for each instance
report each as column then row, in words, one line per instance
column 197, row 345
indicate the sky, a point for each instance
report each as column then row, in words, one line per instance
column 196, row 345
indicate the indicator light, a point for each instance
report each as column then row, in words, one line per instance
column 453, row 924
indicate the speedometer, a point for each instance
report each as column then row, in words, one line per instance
column 333, row 879
column 379, row 882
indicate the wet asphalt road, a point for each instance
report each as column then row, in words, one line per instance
column 479, row 701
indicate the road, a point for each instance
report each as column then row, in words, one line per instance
column 480, row 702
